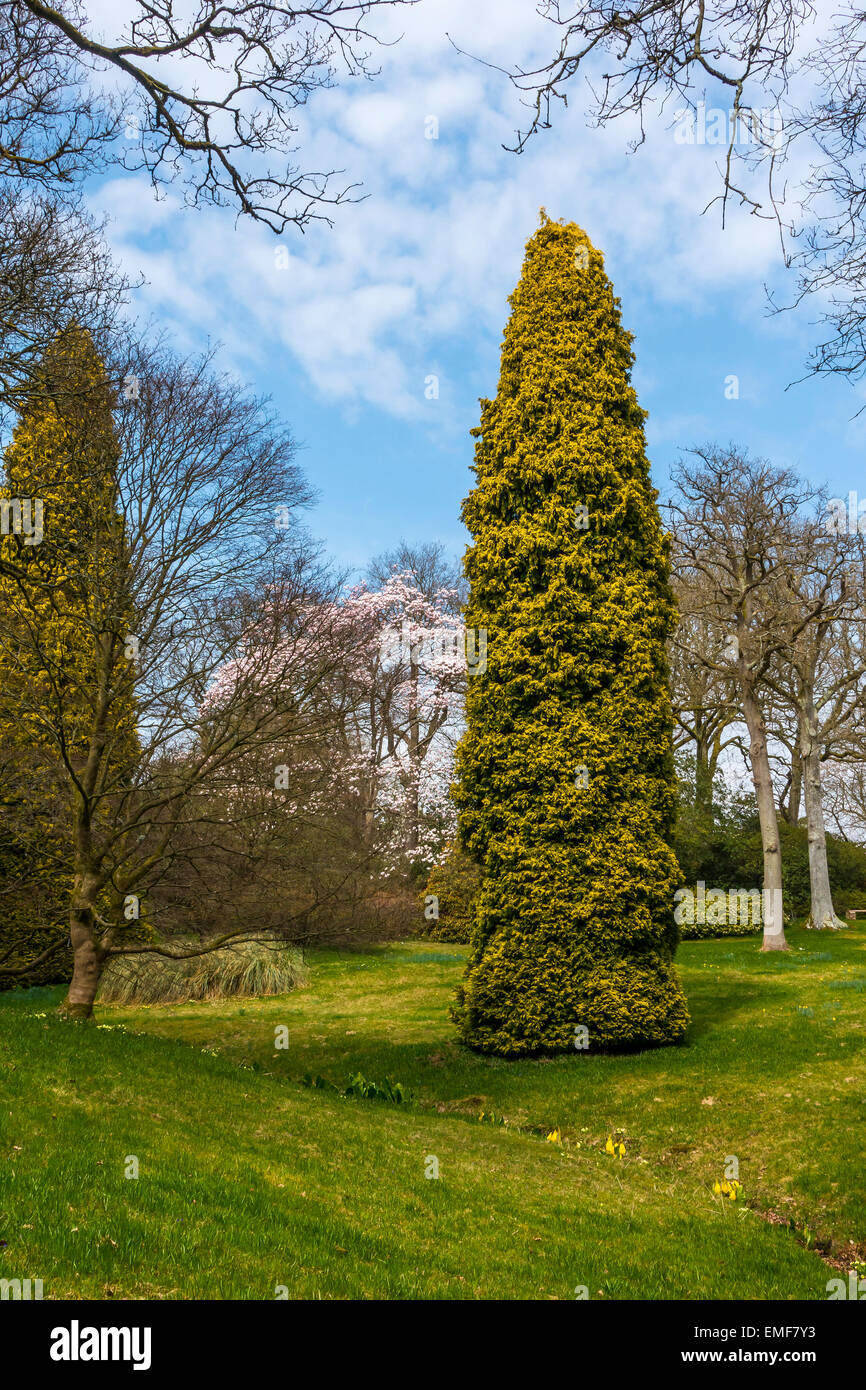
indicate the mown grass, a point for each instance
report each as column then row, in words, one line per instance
column 248, row 1180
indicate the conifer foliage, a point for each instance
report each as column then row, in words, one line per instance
column 66, row 731
column 566, row 785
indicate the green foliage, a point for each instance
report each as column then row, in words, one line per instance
column 696, row 931
column 574, row 917
column 389, row 1090
column 66, row 595
column 454, row 883
column 240, row 968
column 61, row 601
column 33, row 899
column 360, row 1086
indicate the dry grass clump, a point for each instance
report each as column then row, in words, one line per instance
column 240, row 968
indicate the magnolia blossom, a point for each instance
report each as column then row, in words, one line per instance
column 399, row 670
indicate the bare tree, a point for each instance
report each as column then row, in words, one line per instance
column 788, row 89
column 844, row 786
column 820, row 672
column 655, row 49
column 429, row 567
column 704, row 690
column 200, row 95
column 785, row 756
column 55, row 269
column 731, row 525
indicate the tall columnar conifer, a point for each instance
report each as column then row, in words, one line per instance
column 64, row 607
column 565, row 773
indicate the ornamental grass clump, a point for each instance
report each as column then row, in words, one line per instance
column 240, row 968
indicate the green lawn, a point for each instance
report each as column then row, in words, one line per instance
column 249, row 1180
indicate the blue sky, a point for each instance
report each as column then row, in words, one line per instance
column 412, row 282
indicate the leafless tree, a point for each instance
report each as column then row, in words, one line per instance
column 819, row 671
column 54, row 269
column 731, row 518
column 428, row 564
column 637, row 58
column 704, row 690
column 200, row 95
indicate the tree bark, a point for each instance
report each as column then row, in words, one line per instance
column 414, row 756
column 774, row 930
column 703, row 777
column 792, row 810
column 87, row 966
column 822, row 917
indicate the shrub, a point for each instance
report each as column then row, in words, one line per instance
column 362, row 1086
column 741, row 913
column 454, row 883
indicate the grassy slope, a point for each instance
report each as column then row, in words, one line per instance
column 249, row 1181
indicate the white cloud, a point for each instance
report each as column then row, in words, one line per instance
column 424, row 265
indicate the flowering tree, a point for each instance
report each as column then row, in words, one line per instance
column 372, row 795
column 408, row 683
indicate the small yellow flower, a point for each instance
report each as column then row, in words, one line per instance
column 609, row 1148
column 554, row 1137
column 620, row 1148
column 716, row 1188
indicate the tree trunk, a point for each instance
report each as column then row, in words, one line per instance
column 821, row 916
column 414, row 758
column 87, row 964
column 774, row 930
column 703, row 777
column 792, row 811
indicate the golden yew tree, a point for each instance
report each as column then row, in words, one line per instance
column 67, row 707
column 565, row 786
